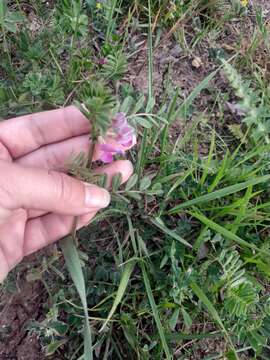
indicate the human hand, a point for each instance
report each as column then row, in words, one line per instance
column 38, row 201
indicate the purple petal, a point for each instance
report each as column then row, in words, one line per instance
column 108, row 148
column 120, row 120
column 113, row 149
column 122, row 140
column 125, row 137
column 126, row 143
column 106, row 157
column 127, row 129
column 102, row 61
column 127, row 132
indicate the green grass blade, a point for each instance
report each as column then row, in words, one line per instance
column 220, row 193
column 155, row 313
column 169, row 232
column 226, row 233
column 75, row 270
column 179, row 181
column 132, row 236
column 207, row 303
column 128, row 268
column 111, row 20
column 213, row 312
column 241, row 214
column 209, row 159
column 220, row 174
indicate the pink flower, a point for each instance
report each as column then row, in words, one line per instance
column 102, row 61
column 120, row 138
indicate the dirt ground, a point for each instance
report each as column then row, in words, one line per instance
column 171, row 64
column 17, row 311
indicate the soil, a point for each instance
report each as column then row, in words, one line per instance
column 18, row 311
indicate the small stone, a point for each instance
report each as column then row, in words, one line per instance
column 197, row 62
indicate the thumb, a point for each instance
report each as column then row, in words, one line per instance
column 38, row 189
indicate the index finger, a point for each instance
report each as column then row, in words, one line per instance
column 24, row 134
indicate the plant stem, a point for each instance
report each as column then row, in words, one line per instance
column 88, row 166
column 92, row 146
column 91, row 154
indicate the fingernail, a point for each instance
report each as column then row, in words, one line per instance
column 96, row 197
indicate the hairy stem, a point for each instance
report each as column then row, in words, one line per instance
column 91, row 154
column 89, row 163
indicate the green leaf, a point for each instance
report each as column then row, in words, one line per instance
column 164, row 261
column 53, row 346
column 145, row 183
column 187, row 318
column 15, row 16
column 240, row 299
column 174, row 318
column 128, row 268
column 139, row 105
column 132, row 181
column 59, row 327
column 116, row 182
column 156, row 190
column 126, row 104
column 90, row 3
column 115, row 66
column 220, row 193
column 3, row 11
column 12, row 27
column 73, row 264
column 230, row 355
column 134, row 195
column 143, row 122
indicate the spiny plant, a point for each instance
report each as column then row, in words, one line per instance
column 255, row 111
column 114, row 66
column 98, row 104
column 71, row 18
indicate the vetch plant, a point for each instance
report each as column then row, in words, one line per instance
column 109, row 136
